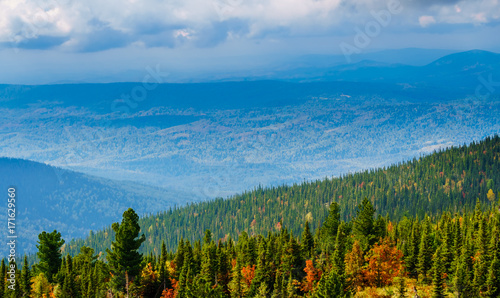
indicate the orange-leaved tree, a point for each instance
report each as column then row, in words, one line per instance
column 384, row 264
column 312, row 277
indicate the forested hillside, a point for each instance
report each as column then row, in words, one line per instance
column 449, row 180
column 448, row 255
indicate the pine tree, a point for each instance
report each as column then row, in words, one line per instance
column 70, row 287
column 124, row 258
column 493, row 279
column 307, row 243
column 363, row 225
column 330, row 285
column 438, row 279
column 26, row 278
column 481, row 256
column 2, row 278
column 339, row 252
column 49, row 251
column 164, row 274
column 236, row 285
column 328, row 231
column 262, row 273
column 262, row 292
column 291, row 290
column 463, row 274
column 425, row 253
column 411, row 260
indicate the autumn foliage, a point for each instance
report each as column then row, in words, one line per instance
column 313, row 275
column 384, row 264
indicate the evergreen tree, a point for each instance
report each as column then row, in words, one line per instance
column 236, row 285
column 340, row 251
column 493, row 279
column 411, row 261
column 49, row 251
column 164, row 274
column 26, row 278
column 438, row 271
column 124, row 258
column 463, row 274
column 330, row 285
column 2, row 278
column 70, row 287
column 363, row 225
column 425, row 253
column 307, row 243
column 328, row 231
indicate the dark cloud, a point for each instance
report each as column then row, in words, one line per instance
column 102, row 38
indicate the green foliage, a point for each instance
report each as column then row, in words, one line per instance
column 124, row 258
column 49, row 253
column 330, row 285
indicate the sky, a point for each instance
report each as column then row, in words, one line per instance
column 49, row 41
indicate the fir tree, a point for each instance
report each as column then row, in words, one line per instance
column 124, row 258
column 363, row 225
column 307, row 241
column 425, row 253
column 26, row 278
column 463, row 274
column 236, row 286
column 2, row 278
column 49, row 252
column 330, row 285
column 413, row 250
column 328, row 231
column 438, row 279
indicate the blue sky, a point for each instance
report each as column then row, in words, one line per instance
column 64, row 40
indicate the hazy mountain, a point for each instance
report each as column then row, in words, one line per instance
column 73, row 203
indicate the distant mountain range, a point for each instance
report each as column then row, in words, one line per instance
column 459, row 70
column 51, row 198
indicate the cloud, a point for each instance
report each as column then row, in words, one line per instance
column 425, row 21
column 96, row 25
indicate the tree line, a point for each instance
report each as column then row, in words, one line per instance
column 370, row 255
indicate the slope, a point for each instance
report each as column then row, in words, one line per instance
column 449, row 180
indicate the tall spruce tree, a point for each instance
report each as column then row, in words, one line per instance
column 26, row 278
column 49, row 252
column 124, row 258
column 307, row 241
column 425, row 253
column 438, row 272
column 2, row 278
column 364, row 226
